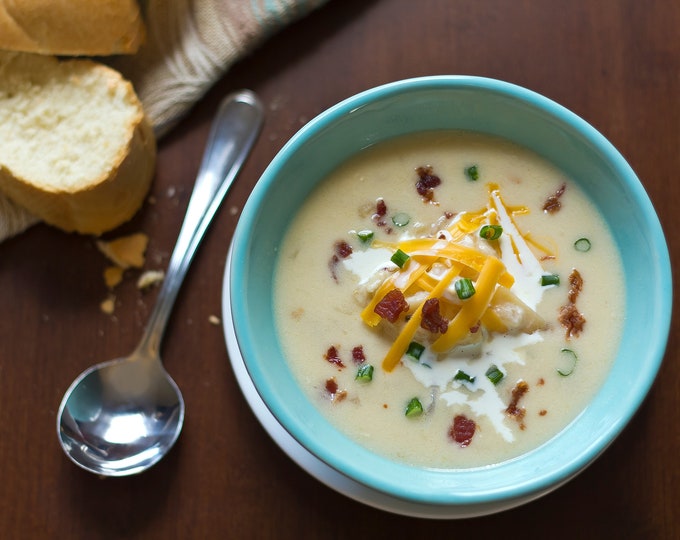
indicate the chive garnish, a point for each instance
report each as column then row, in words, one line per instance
column 415, row 350
column 491, row 232
column 550, row 279
column 572, row 362
column 472, row 172
column 364, row 373
column 494, row 374
column 582, row 244
column 401, row 219
column 464, row 288
column 414, row 408
column 366, row 236
column 462, row 376
column 400, row 258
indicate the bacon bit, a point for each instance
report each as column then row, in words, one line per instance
column 570, row 317
column 575, row 285
column 462, row 430
column 552, row 203
column 332, row 265
column 331, row 385
column 380, row 209
column 426, row 183
column 333, row 357
column 432, row 320
column 358, row 354
column 332, row 389
column 392, row 305
column 474, row 329
column 379, row 215
column 513, row 409
column 542, row 412
column 540, row 382
column 341, row 250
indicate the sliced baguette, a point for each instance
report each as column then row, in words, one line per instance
column 77, row 149
column 71, row 27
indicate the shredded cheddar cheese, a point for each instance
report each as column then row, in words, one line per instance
column 406, row 335
column 474, row 308
column 452, row 258
column 416, row 269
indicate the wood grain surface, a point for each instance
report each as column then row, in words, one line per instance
column 615, row 63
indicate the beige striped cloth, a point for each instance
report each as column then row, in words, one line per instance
column 190, row 44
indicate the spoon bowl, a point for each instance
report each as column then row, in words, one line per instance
column 122, row 416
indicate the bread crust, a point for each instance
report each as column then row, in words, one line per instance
column 104, row 202
column 71, row 27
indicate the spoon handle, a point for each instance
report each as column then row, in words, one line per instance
column 234, row 130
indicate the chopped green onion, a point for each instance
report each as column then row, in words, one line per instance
column 494, row 374
column 582, row 244
column 366, row 236
column 401, row 219
column 414, row 408
column 464, row 288
column 550, row 279
column 491, row 232
column 400, row 258
column 472, row 172
column 415, row 349
column 462, row 376
column 572, row 363
column 365, row 373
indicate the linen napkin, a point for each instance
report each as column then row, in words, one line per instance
column 190, row 44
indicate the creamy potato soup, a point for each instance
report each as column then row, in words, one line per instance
column 449, row 299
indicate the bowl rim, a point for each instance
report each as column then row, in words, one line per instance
column 439, row 491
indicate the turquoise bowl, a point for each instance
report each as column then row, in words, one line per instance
column 497, row 108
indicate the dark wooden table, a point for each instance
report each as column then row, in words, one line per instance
column 615, row 63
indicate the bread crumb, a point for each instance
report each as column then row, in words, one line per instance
column 277, row 103
column 214, row 319
column 150, row 278
column 108, row 305
column 126, row 251
column 113, row 275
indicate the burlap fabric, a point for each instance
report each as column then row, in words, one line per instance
column 190, row 44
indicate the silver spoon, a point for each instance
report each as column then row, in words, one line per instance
column 121, row 417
